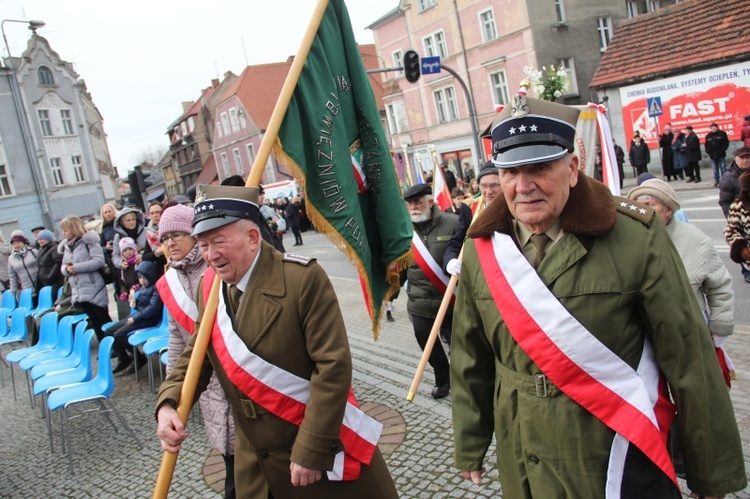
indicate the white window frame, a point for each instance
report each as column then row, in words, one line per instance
column 270, row 171
column 67, row 121
column 184, row 129
column 58, row 176
column 560, row 11
column 632, row 8
column 225, row 165
column 435, row 45
column 218, row 130
column 446, row 104
column 390, row 112
column 237, row 160
column 487, row 25
column 425, row 4
column 653, row 5
column 568, row 65
column 604, row 28
column 243, row 120
column 233, row 119
column 398, row 60
column 44, row 70
column 251, row 154
column 78, row 168
column 499, row 86
column 45, row 123
column 225, row 124
column 6, row 183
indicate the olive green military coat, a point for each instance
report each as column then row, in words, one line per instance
column 289, row 315
column 618, row 273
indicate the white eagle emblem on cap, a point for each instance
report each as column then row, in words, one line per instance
column 519, row 108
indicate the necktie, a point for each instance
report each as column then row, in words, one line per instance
column 234, row 297
column 540, row 242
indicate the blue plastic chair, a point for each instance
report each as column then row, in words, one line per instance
column 150, row 348
column 4, row 324
column 17, row 334
column 44, row 301
column 141, row 336
column 47, row 341
column 81, row 347
column 97, row 390
column 63, row 349
column 9, row 301
column 26, row 299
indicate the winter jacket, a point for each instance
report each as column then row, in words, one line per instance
column 423, row 298
column 49, row 262
column 693, row 148
column 680, row 153
column 729, row 187
column 148, row 305
column 138, row 234
column 639, row 155
column 5, row 250
column 716, row 144
column 547, row 444
column 708, row 276
column 291, row 214
column 217, row 416
column 22, row 269
column 86, row 255
column 737, row 231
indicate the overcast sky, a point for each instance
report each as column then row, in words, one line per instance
column 141, row 59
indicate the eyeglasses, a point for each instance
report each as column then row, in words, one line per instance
column 493, row 185
column 176, row 237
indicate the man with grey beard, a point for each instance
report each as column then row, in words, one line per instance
column 427, row 282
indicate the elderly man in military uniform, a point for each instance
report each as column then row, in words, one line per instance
column 427, row 282
column 280, row 351
column 574, row 321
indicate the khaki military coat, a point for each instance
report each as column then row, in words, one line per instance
column 289, row 315
column 620, row 276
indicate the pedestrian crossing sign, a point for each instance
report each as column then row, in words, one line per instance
column 654, row 106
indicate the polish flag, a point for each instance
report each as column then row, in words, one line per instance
column 439, row 190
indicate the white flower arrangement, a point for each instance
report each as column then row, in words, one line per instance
column 549, row 83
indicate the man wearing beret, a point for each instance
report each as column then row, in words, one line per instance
column 427, row 282
column 574, row 321
column 280, row 351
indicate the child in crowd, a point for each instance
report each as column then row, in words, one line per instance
column 127, row 277
column 148, row 313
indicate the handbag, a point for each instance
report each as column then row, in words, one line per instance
column 105, row 271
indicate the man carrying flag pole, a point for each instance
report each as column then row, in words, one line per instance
column 300, row 433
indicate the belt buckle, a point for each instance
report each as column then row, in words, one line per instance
column 540, row 383
column 249, row 408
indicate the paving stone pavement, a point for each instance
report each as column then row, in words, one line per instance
column 418, row 450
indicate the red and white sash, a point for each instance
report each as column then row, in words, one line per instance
column 180, row 305
column 632, row 403
column 429, row 266
column 286, row 395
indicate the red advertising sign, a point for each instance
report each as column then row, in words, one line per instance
column 719, row 95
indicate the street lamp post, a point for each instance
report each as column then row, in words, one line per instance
column 15, row 90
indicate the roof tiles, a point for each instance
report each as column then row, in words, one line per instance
column 681, row 37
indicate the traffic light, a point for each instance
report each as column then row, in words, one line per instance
column 138, row 180
column 412, row 69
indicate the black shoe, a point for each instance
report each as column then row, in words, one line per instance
column 446, row 338
column 142, row 359
column 295, row 244
column 440, row 392
column 690, row 180
column 123, row 364
column 389, row 316
column 747, row 279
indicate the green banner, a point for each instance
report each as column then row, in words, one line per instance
column 333, row 141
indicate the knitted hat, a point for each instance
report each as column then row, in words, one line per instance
column 47, row 235
column 17, row 235
column 178, row 218
column 658, row 189
column 127, row 242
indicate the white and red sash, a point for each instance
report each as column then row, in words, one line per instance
column 180, row 305
column 286, row 395
column 429, row 266
column 632, row 403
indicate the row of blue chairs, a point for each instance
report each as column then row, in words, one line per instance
column 61, row 367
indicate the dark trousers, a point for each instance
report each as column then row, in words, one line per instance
column 641, row 169
column 694, row 170
column 98, row 316
column 297, row 236
column 229, row 492
column 438, row 360
column 121, row 330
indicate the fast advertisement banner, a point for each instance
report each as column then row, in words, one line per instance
column 718, row 95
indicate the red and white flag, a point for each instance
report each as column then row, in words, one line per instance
column 440, row 191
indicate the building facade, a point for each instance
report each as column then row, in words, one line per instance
column 487, row 43
column 66, row 134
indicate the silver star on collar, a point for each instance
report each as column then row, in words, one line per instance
column 512, row 130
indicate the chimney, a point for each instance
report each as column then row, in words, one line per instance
column 187, row 105
column 215, row 82
column 290, row 58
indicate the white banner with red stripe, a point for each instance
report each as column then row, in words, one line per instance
column 574, row 359
column 286, row 395
column 179, row 304
column 440, row 190
column 429, row 266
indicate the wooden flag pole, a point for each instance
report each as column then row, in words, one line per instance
column 169, row 459
column 433, row 333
